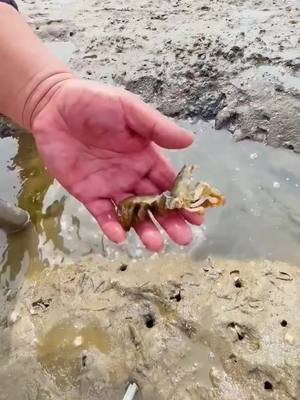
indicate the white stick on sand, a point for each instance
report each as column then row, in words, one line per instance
column 131, row 392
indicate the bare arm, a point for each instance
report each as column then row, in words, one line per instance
column 29, row 72
column 101, row 143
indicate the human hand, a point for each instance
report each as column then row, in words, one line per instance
column 102, row 144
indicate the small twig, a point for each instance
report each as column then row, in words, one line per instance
column 118, row 9
column 103, row 250
column 131, row 391
column 93, row 309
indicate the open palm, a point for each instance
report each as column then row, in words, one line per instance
column 102, row 144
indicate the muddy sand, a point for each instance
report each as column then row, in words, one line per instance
column 180, row 328
column 235, row 61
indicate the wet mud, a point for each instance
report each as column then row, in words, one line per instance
column 233, row 61
column 201, row 324
column 180, row 329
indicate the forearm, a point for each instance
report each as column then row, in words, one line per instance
column 29, row 72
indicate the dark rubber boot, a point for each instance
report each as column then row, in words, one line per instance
column 12, row 218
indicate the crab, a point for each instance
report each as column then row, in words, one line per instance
column 185, row 194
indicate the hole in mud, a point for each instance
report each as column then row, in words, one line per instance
column 266, row 117
column 268, row 385
column 40, row 305
column 260, row 134
column 238, row 283
column 176, row 297
column 283, row 323
column 231, row 122
column 123, row 267
column 232, row 357
column 149, row 321
column 279, row 88
column 83, row 360
column 288, row 146
column 71, row 34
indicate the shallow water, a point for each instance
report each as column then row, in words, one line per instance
column 60, row 349
column 261, row 184
column 260, row 220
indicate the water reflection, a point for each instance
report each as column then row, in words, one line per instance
column 56, row 232
column 22, row 248
column 52, row 225
column 33, row 176
column 21, row 251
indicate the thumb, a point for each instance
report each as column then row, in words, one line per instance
column 151, row 124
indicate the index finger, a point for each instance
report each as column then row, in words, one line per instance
column 150, row 123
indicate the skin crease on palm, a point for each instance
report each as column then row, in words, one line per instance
column 102, row 144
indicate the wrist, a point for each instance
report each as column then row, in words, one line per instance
column 39, row 91
column 29, row 72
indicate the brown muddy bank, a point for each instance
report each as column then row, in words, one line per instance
column 180, row 329
column 230, row 60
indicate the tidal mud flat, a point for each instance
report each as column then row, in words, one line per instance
column 234, row 61
column 181, row 327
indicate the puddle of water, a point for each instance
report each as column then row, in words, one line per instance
column 28, row 182
column 260, row 220
column 262, row 216
column 198, row 361
column 60, row 350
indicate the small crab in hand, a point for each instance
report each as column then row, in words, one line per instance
column 186, row 194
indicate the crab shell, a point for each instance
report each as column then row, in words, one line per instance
column 206, row 196
column 203, row 196
column 185, row 194
column 192, row 196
